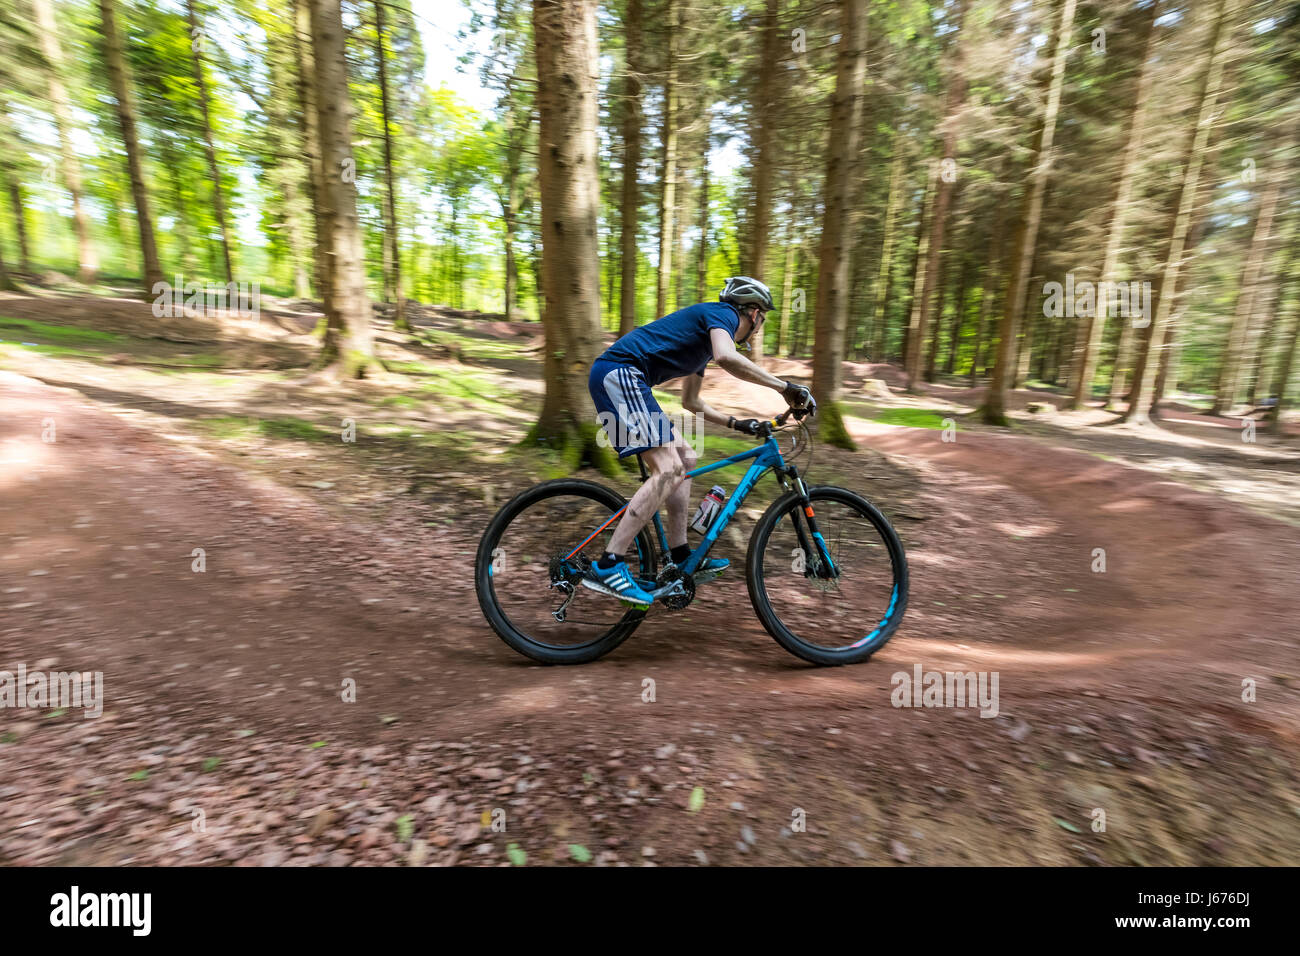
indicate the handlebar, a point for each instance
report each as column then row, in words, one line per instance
column 766, row 428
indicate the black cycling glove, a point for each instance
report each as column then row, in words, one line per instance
column 747, row 426
column 798, row 396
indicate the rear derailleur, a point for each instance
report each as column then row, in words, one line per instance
column 565, row 576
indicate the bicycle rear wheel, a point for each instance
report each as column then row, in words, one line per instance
column 529, row 566
column 829, row 617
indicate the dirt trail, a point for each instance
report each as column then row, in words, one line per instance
column 1120, row 692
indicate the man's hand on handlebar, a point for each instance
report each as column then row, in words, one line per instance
column 799, row 397
column 746, row 426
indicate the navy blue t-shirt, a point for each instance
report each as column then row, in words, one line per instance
column 676, row 345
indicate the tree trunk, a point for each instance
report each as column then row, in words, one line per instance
column 287, row 173
column 6, row 283
column 856, row 329
column 958, row 317
column 631, row 204
column 911, row 333
column 9, row 172
column 936, row 326
column 954, row 99
column 836, row 239
column 198, row 39
column 1248, row 294
column 1170, row 362
column 517, row 124
column 1266, row 381
column 390, row 190
column 988, row 290
column 1144, row 373
column 121, row 83
column 88, row 263
column 1286, row 363
column 1025, row 347
column 306, row 62
column 787, row 288
column 1092, row 328
column 668, row 187
column 702, row 250
column 678, row 284
column 564, row 34
column 880, row 324
column 1022, row 250
column 19, row 210
column 766, row 105
column 348, row 349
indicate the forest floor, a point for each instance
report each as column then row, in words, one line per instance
column 224, row 737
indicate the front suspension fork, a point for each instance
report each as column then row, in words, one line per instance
column 810, row 538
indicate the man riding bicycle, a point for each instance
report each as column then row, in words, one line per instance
column 679, row 345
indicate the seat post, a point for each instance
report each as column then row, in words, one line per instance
column 641, row 464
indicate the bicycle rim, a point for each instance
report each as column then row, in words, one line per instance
column 534, row 563
column 827, row 616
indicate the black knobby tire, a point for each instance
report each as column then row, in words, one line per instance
column 875, row 632
column 512, row 632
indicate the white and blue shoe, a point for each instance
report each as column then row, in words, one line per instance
column 709, row 569
column 617, row 582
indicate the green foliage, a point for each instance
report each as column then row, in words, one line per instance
column 463, row 169
column 31, row 329
column 579, row 853
column 240, row 427
column 911, row 417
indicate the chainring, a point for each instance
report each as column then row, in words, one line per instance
column 676, row 602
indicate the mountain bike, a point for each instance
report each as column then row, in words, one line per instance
column 826, row 571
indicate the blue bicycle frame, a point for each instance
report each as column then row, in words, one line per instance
column 765, row 456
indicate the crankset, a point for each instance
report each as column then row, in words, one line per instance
column 681, row 588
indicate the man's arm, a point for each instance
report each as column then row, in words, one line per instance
column 692, row 402
column 733, row 363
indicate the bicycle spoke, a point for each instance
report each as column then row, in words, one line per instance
column 830, row 613
column 541, row 552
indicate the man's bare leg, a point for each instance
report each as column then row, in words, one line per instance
column 679, row 499
column 667, row 468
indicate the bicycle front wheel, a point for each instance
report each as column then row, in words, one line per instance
column 837, row 614
column 530, row 563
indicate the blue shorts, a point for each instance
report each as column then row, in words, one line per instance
column 627, row 408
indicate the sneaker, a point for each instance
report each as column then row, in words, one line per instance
column 709, row 569
column 712, row 567
column 617, row 582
